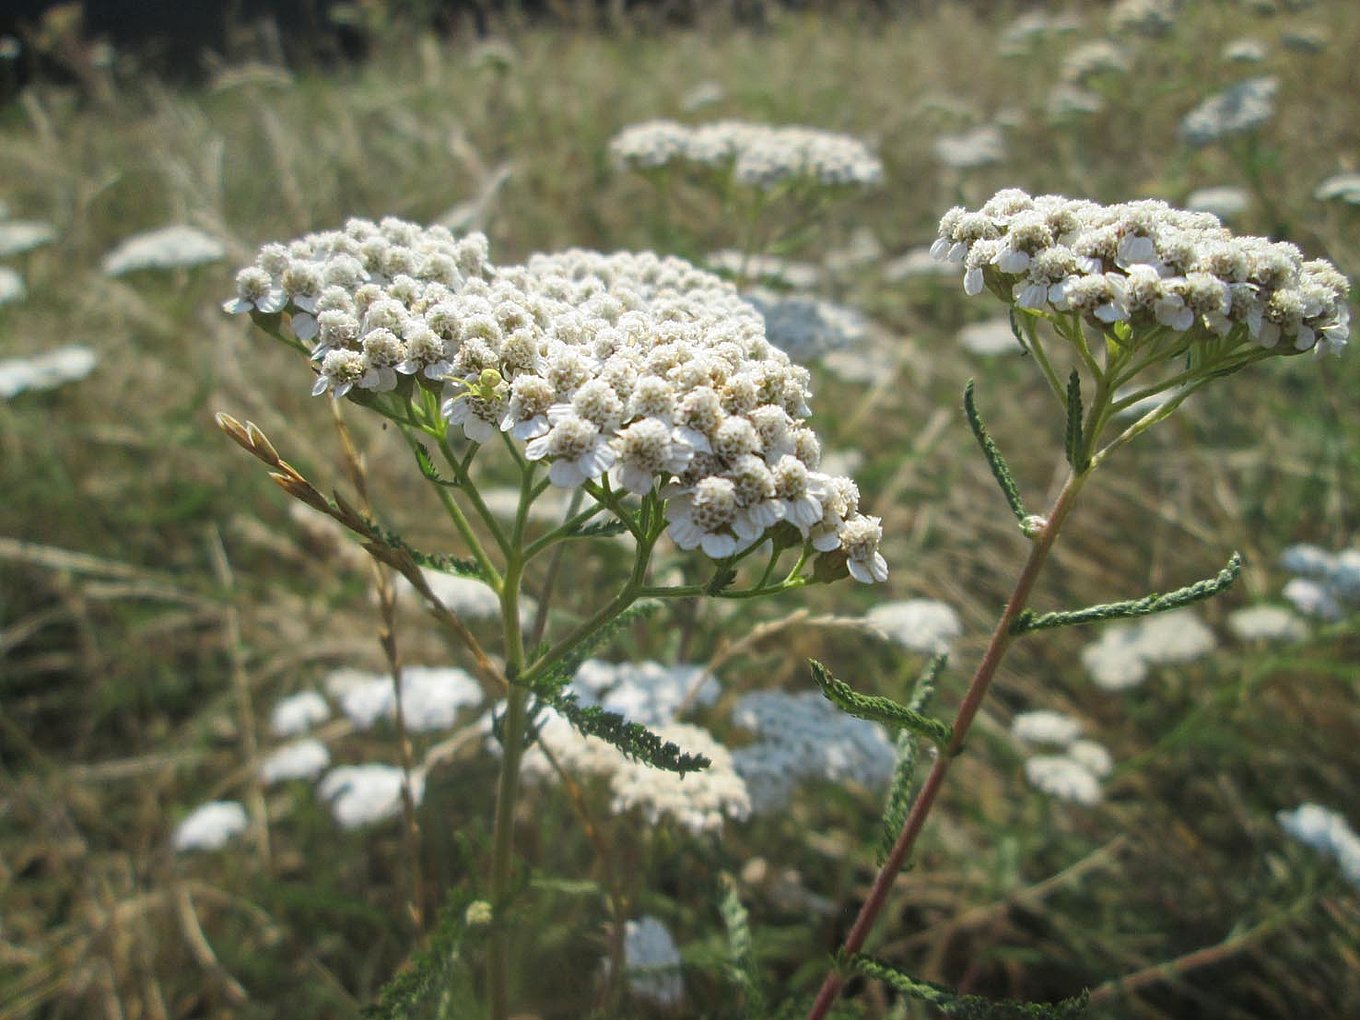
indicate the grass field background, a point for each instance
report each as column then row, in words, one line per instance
column 157, row 596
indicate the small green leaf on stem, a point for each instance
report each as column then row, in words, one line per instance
column 1000, row 471
column 898, row 802
column 631, row 739
column 1076, row 455
column 969, row 1007
column 427, row 468
column 878, row 709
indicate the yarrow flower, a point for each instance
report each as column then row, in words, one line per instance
column 210, row 826
column 174, row 247
column 758, row 155
column 639, row 368
column 1327, row 832
column 1244, row 107
column 1146, row 264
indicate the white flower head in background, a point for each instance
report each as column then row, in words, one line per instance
column 11, row 286
column 983, row 146
column 698, row 802
column 1045, row 726
column 804, row 738
column 1145, row 17
column 652, row 962
column 806, row 328
column 1245, row 51
column 644, row 692
column 1065, row 778
column 174, row 247
column 210, row 826
column 1094, row 59
column 1244, row 107
column 990, row 338
column 1327, row 832
column 1339, row 188
column 1125, row 653
column 298, row 713
column 361, row 795
column 923, row 625
column 1226, row 202
column 46, row 371
column 301, row 759
column 19, row 236
column 1266, row 623
column 1071, row 102
column 431, row 697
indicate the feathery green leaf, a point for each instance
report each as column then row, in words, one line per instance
column 899, row 798
column 427, row 468
column 878, row 709
column 740, row 964
column 968, row 1007
column 1029, row 621
column 631, row 739
column 1075, row 456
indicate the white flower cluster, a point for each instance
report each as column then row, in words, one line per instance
column 644, row 692
column 1326, row 581
column 19, row 236
column 635, row 365
column 804, row 327
column 431, row 696
column 298, row 713
column 1226, row 202
column 1243, row 107
column 1092, row 60
column 1033, row 28
column 362, row 795
column 1266, row 623
column 11, row 286
column 803, row 737
column 175, row 247
column 1245, row 51
column 1074, row 774
column 923, row 625
column 45, row 371
column 758, row 155
column 979, row 147
column 990, row 338
column 1339, row 188
column 1145, row 17
column 699, row 802
column 300, row 759
column 1126, row 652
column 1146, row 264
column 652, row 961
column 1327, row 832
column 210, row 826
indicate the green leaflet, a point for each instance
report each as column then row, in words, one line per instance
column 1147, row 605
column 1000, row 471
column 878, row 709
column 434, row 561
column 899, row 798
column 968, row 1007
column 740, row 964
column 438, row 968
column 427, row 468
column 630, row 738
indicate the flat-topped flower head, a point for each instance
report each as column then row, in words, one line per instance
column 634, row 371
column 760, row 156
column 1147, row 266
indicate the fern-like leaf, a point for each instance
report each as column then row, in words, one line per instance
column 555, row 679
column 427, row 468
column 1000, row 471
column 967, row 1007
column 436, row 969
column 631, row 739
column 740, row 963
column 1028, row 621
column 899, row 798
column 878, row 709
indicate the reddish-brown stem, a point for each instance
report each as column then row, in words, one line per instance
column 972, row 701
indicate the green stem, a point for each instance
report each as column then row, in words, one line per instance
column 461, row 522
column 460, row 470
column 507, row 793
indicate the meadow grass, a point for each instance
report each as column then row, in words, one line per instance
column 138, row 662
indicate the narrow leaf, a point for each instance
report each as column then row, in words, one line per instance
column 434, row 561
column 970, row 1007
column 1145, row 606
column 720, row 581
column 427, row 468
column 1000, row 471
column 878, row 709
column 438, row 968
column 898, row 802
column 1075, row 457
column 600, row 529
column 631, row 739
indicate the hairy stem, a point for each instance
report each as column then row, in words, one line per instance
column 963, row 720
